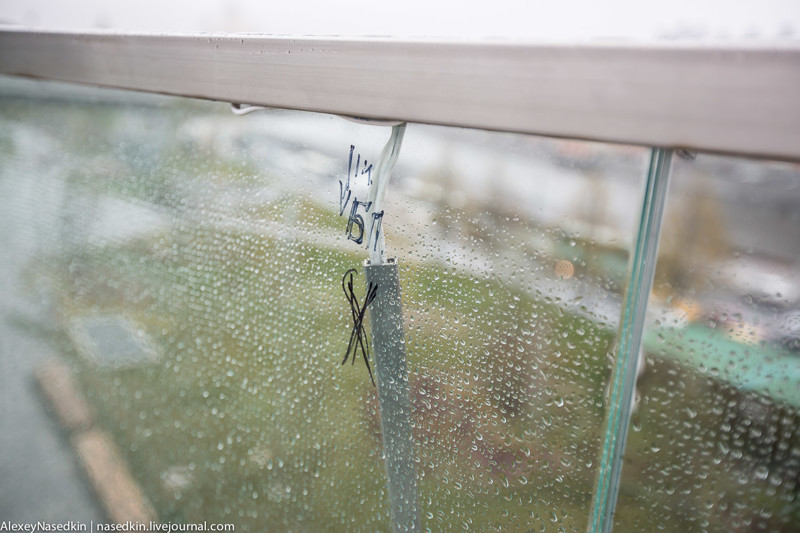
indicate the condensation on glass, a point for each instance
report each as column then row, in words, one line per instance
column 185, row 266
column 713, row 444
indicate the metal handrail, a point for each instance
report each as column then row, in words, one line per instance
column 737, row 99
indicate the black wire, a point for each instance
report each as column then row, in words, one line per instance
column 358, row 338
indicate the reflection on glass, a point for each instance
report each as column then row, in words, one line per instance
column 714, row 445
column 187, row 266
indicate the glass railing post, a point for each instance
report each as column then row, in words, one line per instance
column 388, row 340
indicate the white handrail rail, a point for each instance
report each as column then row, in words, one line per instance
column 741, row 99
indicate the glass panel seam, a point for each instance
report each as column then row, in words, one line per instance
column 620, row 397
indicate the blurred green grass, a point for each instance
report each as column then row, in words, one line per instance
column 249, row 401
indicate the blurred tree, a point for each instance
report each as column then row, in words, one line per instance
column 694, row 237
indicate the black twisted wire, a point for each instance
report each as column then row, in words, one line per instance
column 358, row 337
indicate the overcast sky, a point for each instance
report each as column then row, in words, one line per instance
column 551, row 20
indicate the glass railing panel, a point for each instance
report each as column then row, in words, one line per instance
column 713, row 443
column 514, row 255
column 185, row 266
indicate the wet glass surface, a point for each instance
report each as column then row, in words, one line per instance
column 186, row 264
column 714, row 444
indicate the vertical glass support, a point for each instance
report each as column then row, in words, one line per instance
column 388, row 341
column 623, row 378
